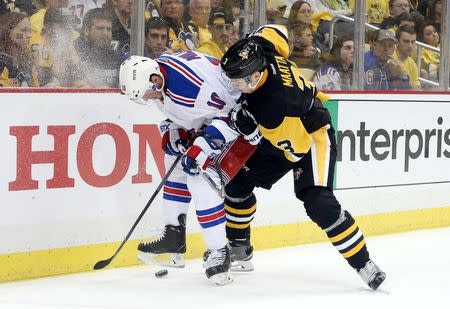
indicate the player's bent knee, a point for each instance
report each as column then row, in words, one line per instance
column 239, row 186
column 320, row 205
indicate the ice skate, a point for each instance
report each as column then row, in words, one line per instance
column 372, row 275
column 169, row 248
column 217, row 266
column 241, row 253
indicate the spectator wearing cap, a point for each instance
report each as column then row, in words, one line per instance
column 381, row 71
column 54, row 54
column 200, row 11
column 98, row 61
column 220, row 26
column 156, row 37
column 16, row 68
column 406, row 44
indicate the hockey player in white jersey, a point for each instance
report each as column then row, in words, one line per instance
column 191, row 92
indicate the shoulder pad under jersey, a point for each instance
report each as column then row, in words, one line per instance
column 277, row 35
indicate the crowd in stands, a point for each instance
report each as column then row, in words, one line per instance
column 81, row 43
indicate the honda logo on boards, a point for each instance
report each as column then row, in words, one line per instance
column 148, row 135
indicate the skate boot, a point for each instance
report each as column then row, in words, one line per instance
column 241, row 255
column 217, row 266
column 372, row 275
column 172, row 241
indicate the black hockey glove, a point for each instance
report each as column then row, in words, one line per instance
column 242, row 121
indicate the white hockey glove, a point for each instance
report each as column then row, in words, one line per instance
column 242, row 121
column 175, row 139
column 203, row 150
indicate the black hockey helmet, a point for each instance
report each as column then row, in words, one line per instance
column 243, row 58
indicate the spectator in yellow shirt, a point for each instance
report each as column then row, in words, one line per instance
column 54, row 55
column 200, row 11
column 220, row 26
column 376, row 10
column 406, row 43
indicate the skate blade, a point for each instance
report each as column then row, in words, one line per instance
column 163, row 259
column 377, row 281
column 241, row 266
column 221, row 279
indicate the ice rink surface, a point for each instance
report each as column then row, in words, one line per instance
column 309, row 276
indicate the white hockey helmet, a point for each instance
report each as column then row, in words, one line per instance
column 135, row 74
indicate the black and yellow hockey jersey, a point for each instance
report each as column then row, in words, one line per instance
column 286, row 106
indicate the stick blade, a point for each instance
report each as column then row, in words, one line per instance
column 102, row 264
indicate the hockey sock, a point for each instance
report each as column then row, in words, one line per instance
column 348, row 239
column 239, row 213
column 212, row 221
column 176, row 199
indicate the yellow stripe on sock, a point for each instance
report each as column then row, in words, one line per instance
column 344, row 234
column 241, row 211
column 354, row 250
column 237, row 226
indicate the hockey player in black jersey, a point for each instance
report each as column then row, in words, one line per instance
column 297, row 135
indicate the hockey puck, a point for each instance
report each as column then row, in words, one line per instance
column 161, row 273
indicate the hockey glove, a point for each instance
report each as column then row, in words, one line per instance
column 199, row 154
column 242, row 121
column 174, row 141
column 193, row 159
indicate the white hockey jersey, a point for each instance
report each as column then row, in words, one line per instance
column 196, row 93
column 81, row 7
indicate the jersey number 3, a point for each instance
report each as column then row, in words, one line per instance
column 287, row 146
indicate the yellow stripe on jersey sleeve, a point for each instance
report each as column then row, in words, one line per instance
column 272, row 33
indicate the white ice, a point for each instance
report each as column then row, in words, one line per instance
column 309, row 276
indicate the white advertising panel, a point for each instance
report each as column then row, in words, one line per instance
column 393, row 141
column 78, row 168
column 75, row 168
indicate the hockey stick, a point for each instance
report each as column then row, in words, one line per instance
column 219, row 189
column 103, row 263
